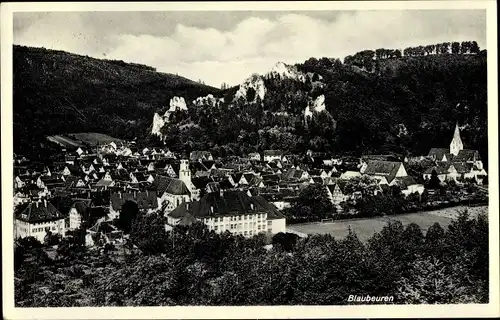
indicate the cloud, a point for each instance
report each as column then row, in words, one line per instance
column 229, row 51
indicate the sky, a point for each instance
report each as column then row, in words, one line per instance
column 218, row 47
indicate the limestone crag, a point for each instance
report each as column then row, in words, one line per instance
column 158, row 123
column 208, row 100
column 176, row 104
column 287, row 71
column 318, row 105
column 254, row 82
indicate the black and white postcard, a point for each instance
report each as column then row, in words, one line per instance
column 249, row 159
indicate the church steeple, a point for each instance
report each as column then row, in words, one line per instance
column 456, row 143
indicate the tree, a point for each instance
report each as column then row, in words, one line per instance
column 128, row 213
column 465, row 47
column 284, row 241
column 434, row 182
column 18, row 256
column 474, row 47
column 51, row 239
column 434, row 240
column 430, row 282
column 312, row 204
column 148, row 233
column 455, row 48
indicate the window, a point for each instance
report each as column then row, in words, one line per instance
column 239, row 217
column 246, row 233
column 53, row 228
column 215, row 228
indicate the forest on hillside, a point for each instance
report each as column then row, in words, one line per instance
column 377, row 101
column 56, row 92
column 398, row 104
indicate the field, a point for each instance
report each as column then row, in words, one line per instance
column 93, row 138
column 75, row 140
column 365, row 228
column 64, row 141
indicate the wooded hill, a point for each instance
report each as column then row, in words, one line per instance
column 57, row 92
column 397, row 104
column 378, row 101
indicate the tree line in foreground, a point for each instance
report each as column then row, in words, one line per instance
column 194, row 266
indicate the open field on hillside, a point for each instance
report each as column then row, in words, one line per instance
column 93, row 138
column 64, row 141
column 365, row 228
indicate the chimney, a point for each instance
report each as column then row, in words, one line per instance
column 221, row 191
column 187, row 205
column 147, row 193
column 211, row 209
column 36, row 203
column 252, row 207
column 120, row 194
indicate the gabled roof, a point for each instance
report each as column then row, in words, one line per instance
column 197, row 166
column 462, row 167
column 74, row 169
column 170, row 185
column 39, row 212
column 405, row 182
column 272, row 152
column 199, row 155
column 229, row 203
column 318, row 180
column 104, row 183
column 201, row 182
column 82, row 206
column 331, row 188
column 439, row 153
column 145, row 200
column 213, row 187
column 441, row 168
column 387, row 169
column 71, row 181
column 467, row 155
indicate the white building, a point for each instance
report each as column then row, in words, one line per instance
column 38, row 218
column 232, row 211
column 271, row 155
column 77, row 212
column 172, row 192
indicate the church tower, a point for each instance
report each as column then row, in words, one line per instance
column 185, row 176
column 185, row 173
column 456, row 143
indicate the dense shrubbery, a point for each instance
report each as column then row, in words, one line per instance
column 192, row 266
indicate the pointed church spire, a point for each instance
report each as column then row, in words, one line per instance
column 456, row 143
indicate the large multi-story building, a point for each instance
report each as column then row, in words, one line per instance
column 37, row 219
column 233, row 211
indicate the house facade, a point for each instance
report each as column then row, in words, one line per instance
column 38, row 218
column 233, row 211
